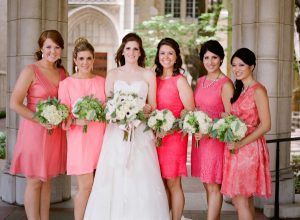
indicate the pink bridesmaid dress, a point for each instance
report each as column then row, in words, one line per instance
column 83, row 148
column 247, row 172
column 38, row 154
column 172, row 153
column 207, row 159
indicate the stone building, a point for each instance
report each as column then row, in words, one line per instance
column 265, row 26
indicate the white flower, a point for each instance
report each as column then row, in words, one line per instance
column 218, row 124
column 238, row 128
column 52, row 115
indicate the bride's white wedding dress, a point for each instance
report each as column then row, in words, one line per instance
column 128, row 184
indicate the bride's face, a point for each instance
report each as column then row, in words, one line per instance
column 131, row 52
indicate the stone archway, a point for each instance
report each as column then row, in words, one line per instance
column 99, row 27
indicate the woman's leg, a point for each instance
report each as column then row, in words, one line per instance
column 85, row 183
column 45, row 200
column 176, row 197
column 244, row 206
column 32, row 198
column 214, row 200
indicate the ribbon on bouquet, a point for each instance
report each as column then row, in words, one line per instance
column 128, row 134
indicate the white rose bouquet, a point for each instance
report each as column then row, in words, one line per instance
column 194, row 122
column 88, row 108
column 51, row 112
column 161, row 121
column 126, row 109
column 229, row 129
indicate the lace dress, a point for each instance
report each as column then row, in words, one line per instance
column 207, row 159
column 247, row 172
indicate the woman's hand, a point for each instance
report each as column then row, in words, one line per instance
column 199, row 136
column 80, row 122
column 48, row 126
column 224, row 114
column 233, row 146
column 147, row 110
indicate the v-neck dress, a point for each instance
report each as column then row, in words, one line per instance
column 38, row 154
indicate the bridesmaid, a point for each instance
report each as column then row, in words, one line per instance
column 247, row 171
column 83, row 148
column 212, row 96
column 173, row 93
column 39, row 156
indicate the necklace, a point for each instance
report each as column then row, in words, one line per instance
column 212, row 82
column 245, row 88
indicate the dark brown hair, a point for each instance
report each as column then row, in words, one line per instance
column 178, row 63
column 120, row 59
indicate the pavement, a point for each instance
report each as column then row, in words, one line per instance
column 195, row 202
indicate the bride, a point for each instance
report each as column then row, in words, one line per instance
column 128, row 184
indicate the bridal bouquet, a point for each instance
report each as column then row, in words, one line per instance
column 161, row 121
column 51, row 112
column 229, row 129
column 126, row 109
column 194, row 122
column 88, row 108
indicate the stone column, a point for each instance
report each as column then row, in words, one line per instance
column 25, row 22
column 267, row 27
column 3, row 31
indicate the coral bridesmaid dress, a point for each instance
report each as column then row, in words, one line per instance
column 38, row 154
column 172, row 153
column 207, row 159
column 247, row 172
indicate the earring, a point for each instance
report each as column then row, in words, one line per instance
column 76, row 69
column 42, row 54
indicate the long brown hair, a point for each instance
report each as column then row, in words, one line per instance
column 120, row 59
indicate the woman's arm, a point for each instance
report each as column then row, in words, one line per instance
column 226, row 94
column 186, row 94
column 19, row 93
column 151, row 80
column 262, row 104
column 109, row 82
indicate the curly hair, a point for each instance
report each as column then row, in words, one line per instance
column 178, row 63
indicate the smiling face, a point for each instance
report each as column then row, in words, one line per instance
column 84, row 62
column 131, row 52
column 211, row 62
column 241, row 70
column 51, row 51
column 167, row 56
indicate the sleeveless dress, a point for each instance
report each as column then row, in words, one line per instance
column 127, row 184
column 83, row 148
column 172, row 153
column 207, row 159
column 38, row 154
column 247, row 172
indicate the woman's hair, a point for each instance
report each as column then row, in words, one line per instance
column 120, row 59
column 178, row 63
column 56, row 37
column 214, row 47
column 82, row 44
column 248, row 57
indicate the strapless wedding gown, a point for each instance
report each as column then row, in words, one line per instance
column 128, row 183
